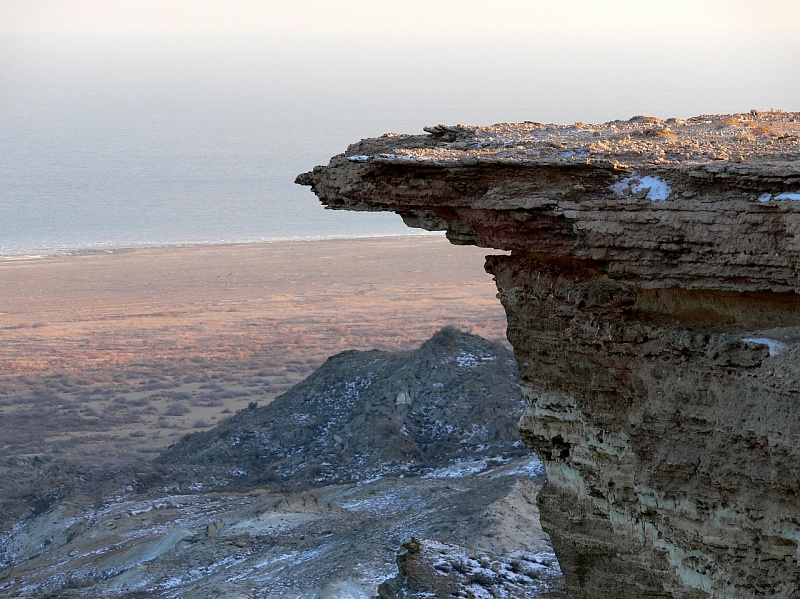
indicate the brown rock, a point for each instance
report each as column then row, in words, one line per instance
column 652, row 300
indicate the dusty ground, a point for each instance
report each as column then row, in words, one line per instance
column 107, row 358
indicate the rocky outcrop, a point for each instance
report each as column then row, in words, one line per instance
column 429, row 568
column 652, row 298
column 203, row 523
column 364, row 415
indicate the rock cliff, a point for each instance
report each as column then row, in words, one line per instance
column 652, row 298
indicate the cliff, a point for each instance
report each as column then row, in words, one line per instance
column 652, row 298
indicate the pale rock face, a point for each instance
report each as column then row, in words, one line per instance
column 652, row 298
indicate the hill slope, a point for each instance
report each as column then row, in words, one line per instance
column 365, row 414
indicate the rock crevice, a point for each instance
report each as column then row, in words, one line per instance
column 652, row 300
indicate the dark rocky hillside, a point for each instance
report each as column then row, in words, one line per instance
column 366, row 414
column 309, row 496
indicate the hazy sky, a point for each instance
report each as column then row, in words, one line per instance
column 120, row 117
column 402, row 16
column 399, row 64
column 423, row 60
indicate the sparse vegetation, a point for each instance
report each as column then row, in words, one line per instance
column 177, row 409
column 760, row 129
column 101, row 378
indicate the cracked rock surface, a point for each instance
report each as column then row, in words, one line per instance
column 652, row 298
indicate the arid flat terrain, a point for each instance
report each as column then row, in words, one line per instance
column 108, row 357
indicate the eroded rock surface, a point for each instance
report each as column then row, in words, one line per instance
column 275, row 504
column 338, row 541
column 652, row 299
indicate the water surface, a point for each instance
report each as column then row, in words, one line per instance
column 111, row 141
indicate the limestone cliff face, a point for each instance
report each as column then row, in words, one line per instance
column 652, row 299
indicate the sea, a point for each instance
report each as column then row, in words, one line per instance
column 120, row 141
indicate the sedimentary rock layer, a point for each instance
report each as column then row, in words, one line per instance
column 652, row 299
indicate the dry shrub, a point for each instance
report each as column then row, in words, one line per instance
column 647, row 120
column 177, row 409
column 665, row 133
column 79, row 583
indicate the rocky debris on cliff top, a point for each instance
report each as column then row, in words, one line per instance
column 708, row 202
column 363, row 415
column 431, row 569
column 753, row 137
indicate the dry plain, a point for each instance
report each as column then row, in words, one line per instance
column 108, row 357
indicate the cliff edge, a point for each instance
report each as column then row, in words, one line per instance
column 652, row 299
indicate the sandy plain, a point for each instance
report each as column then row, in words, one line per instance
column 108, row 357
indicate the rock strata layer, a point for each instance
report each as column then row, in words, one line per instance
column 652, row 299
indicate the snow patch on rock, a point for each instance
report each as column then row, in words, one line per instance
column 658, row 189
column 775, row 346
column 789, row 195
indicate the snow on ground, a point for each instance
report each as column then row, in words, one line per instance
column 469, row 360
column 527, row 467
column 458, row 470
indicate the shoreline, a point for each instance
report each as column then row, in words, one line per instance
column 49, row 254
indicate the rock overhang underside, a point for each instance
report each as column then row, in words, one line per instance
column 652, row 301
column 707, row 202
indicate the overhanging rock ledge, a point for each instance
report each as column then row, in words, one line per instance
column 653, row 307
